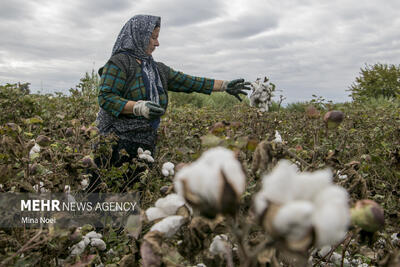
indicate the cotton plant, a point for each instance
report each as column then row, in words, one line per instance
column 39, row 188
column 93, row 239
column 145, row 155
column 219, row 245
column 292, row 205
column 278, row 138
column 168, row 169
column 262, row 94
column 213, row 183
column 85, row 182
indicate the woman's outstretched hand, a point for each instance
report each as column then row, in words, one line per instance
column 236, row 87
column 148, row 109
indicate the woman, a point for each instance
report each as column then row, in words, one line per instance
column 134, row 88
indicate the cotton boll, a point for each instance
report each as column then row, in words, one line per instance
column 86, row 240
column 202, row 182
column 165, row 172
column 278, row 138
column 93, row 234
column 224, row 159
column 85, row 183
column 294, row 220
column 39, row 188
column 98, row 243
column 168, row 169
column 213, row 183
column 332, row 194
column 170, row 204
column 78, row 248
column 34, row 149
column 278, row 185
column 154, row 214
column 67, row 189
column 169, row 225
column 331, row 218
column 36, row 188
column 146, row 157
column 395, row 239
column 219, row 245
column 308, row 184
column 260, row 203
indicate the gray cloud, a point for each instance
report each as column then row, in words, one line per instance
column 305, row 47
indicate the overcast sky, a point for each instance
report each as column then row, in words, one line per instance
column 305, row 47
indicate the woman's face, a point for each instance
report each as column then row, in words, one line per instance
column 153, row 41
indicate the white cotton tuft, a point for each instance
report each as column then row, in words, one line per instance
column 154, row 213
column 308, row 184
column 278, row 137
column 293, row 219
column 34, row 149
column 93, row 234
column 98, row 243
column 327, row 210
column 92, row 238
column 341, row 176
column 204, row 176
column 170, row 204
column 146, row 157
column 260, row 203
column 278, row 185
column 78, row 248
column 165, row 207
column 169, row 225
column 67, row 189
column 165, row 172
column 86, row 240
column 261, row 95
column 331, row 218
column 168, row 169
column 219, row 245
column 39, row 188
column 85, row 183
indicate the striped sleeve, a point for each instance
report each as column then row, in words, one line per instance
column 181, row 82
column 112, row 82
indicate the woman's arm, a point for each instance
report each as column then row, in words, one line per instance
column 112, row 82
column 128, row 108
column 218, row 86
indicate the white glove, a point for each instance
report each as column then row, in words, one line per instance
column 147, row 109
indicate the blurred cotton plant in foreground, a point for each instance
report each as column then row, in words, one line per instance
column 296, row 211
column 213, row 184
column 292, row 205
